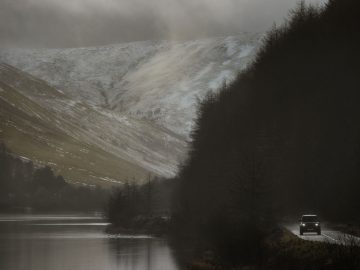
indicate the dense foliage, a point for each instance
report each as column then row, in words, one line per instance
column 141, row 208
column 283, row 139
column 23, row 186
column 149, row 199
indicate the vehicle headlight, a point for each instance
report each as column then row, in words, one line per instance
column 317, row 224
column 303, row 224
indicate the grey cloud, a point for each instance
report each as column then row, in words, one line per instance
column 73, row 23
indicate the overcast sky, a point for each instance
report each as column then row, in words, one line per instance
column 74, row 23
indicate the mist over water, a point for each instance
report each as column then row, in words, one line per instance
column 76, row 242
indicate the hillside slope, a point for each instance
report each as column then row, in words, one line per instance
column 81, row 143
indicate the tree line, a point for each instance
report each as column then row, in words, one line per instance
column 141, row 208
column 26, row 186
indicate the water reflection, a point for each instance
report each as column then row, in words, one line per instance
column 142, row 254
column 63, row 242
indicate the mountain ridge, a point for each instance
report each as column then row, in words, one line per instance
column 159, row 81
column 137, row 101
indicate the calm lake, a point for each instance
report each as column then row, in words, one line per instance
column 76, row 242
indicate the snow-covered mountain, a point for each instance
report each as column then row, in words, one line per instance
column 160, row 81
column 136, row 102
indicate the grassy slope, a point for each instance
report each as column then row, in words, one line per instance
column 30, row 131
column 151, row 147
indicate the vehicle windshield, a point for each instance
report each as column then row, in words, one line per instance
column 309, row 219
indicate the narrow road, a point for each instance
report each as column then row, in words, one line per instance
column 327, row 235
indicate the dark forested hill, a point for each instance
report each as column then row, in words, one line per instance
column 284, row 138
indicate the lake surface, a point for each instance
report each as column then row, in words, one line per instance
column 76, row 242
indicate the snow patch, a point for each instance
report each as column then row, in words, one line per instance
column 222, row 79
column 246, row 51
column 24, row 158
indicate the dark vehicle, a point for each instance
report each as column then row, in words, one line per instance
column 310, row 223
